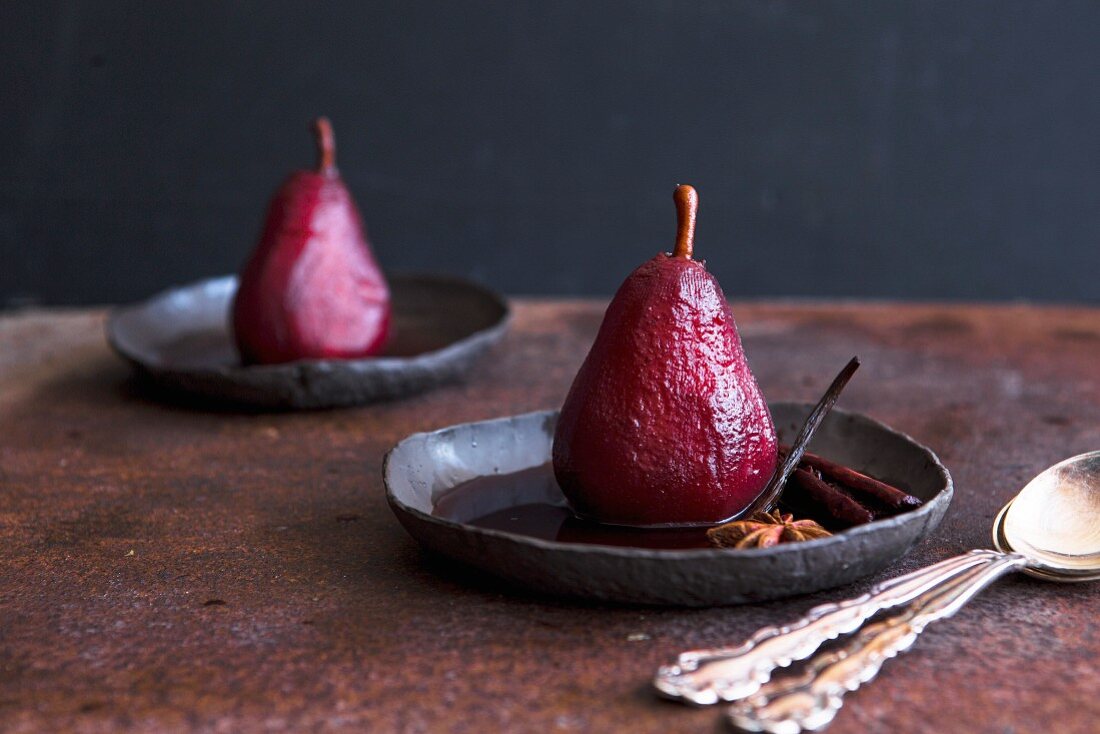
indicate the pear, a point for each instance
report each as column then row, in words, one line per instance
column 664, row 423
column 312, row 288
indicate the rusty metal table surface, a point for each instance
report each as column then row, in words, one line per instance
column 168, row 568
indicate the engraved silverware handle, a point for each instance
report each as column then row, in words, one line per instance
column 809, row 700
column 704, row 677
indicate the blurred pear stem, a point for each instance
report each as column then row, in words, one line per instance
column 326, row 146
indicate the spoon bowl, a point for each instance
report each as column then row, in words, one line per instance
column 1055, row 520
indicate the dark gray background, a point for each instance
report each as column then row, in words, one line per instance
column 876, row 149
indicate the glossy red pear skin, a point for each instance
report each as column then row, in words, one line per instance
column 312, row 288
column 664, row 423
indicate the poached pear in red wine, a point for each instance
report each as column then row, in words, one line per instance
column 312, row 288
column 664, row 423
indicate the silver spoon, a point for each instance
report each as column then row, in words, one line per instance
column 1050, row 530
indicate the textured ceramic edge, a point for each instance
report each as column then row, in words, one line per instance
column 427, row 463
column 305, row 384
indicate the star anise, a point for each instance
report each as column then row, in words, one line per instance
column 765, row 529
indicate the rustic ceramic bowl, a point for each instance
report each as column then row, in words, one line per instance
column 424, row 466
column 180, row 340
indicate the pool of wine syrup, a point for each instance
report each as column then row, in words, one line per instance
column 530, row 503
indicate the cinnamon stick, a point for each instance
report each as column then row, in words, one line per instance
column 805, row 489
column 862, row 484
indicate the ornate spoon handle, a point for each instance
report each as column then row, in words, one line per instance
column 809, row 700
column 706, row 677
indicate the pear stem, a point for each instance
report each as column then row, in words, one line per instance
column 687, row 205
column 326, row 146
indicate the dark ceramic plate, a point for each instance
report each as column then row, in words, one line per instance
column 423, row 467
column 180, row 340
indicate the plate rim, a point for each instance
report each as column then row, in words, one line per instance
column 942, row 497
column 118, row 346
